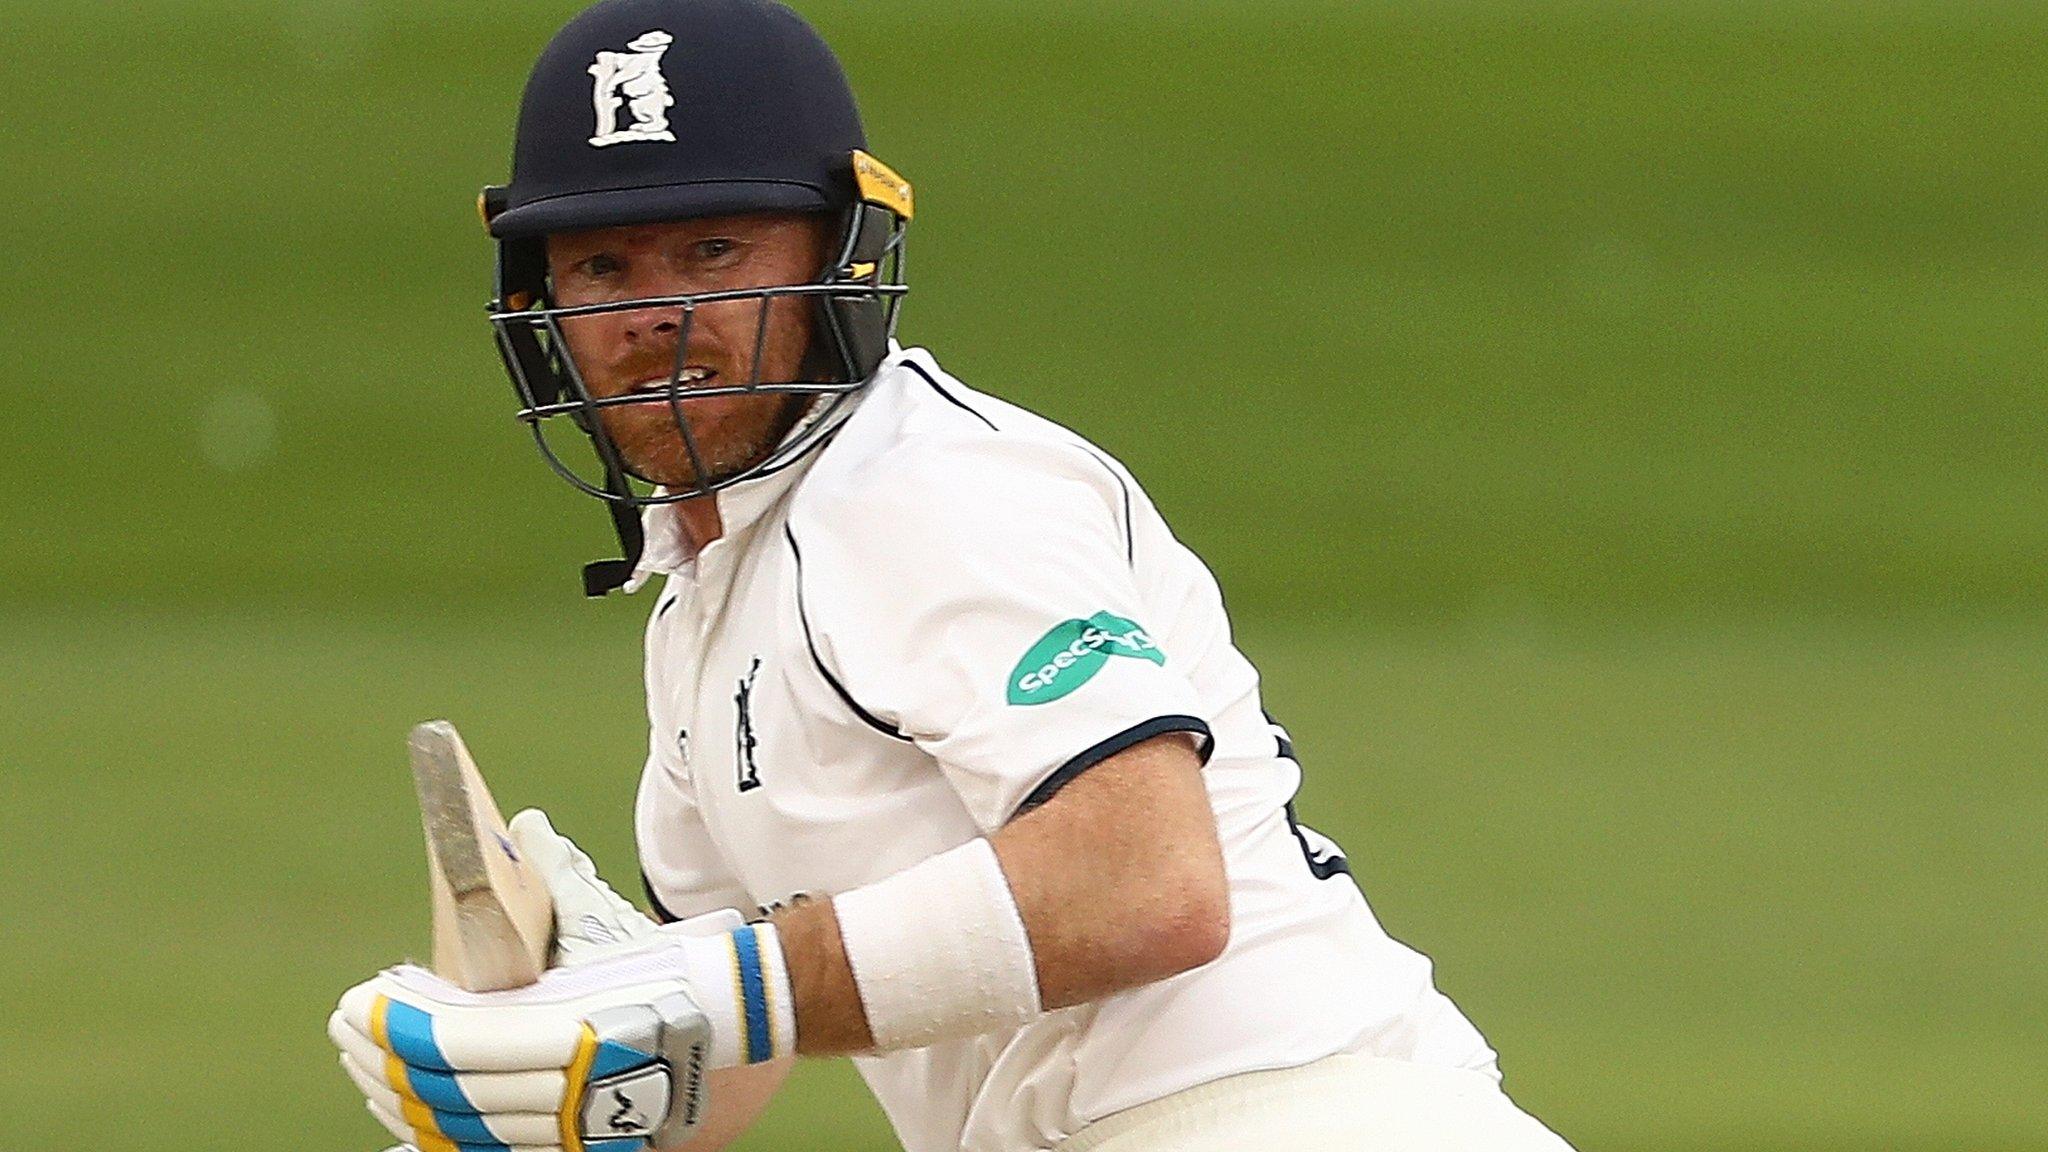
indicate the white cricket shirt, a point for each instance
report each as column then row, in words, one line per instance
column 934, row 622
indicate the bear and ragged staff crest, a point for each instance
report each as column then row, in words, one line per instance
column 632, row 79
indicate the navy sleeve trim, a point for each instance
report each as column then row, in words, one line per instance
column 1286, row 746
column 1130, row 737
column 1321, row 865
column 1325, row 862
column 950, row 398
column 803, row 617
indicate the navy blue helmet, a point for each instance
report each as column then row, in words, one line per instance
column 647, row 111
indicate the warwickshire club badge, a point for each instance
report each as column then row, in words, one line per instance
column 743, row 732
column 632, row 79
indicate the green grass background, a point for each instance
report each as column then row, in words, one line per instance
column 1620, row 429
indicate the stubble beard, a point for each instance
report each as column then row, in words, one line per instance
column 653, row 447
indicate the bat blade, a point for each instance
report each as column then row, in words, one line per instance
column 493, row 921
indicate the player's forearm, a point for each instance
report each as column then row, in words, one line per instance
column 830, row 1020
column 1118, row 883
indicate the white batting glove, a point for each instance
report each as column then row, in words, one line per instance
column 606, row 1052
column 606, row 1057
column 591, row 919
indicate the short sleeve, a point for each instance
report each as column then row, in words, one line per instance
column 977, row 595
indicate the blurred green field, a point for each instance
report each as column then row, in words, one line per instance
column 1732, row 889
column 1620, row 428
column 1612, row 307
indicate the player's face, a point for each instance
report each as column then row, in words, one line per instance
column 624, row 352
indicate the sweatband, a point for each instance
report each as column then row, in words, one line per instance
column 939, row 951
column 741, row 983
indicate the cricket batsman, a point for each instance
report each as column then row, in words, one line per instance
column 952, row 766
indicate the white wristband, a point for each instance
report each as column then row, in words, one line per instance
column 741, row 984
column 939, row 951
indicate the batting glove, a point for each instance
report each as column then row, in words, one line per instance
column 591, row 919
column 604, row 1054
column 604, row 1058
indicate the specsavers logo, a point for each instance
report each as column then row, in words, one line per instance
column 1073, row 652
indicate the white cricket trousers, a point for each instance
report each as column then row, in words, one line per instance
column 1338, row 1104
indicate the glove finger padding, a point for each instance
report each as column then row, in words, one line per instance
column 395, row 1124
column 452, row 1038
column 605, row 1052
column 515, row 1132
column 591, row 920
column 384, row 1077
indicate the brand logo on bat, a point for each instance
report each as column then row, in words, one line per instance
column 632, row 79
column 1073, row 652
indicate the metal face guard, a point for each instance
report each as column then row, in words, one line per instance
column 855, row 301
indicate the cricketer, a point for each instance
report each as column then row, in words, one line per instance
column 952, row 765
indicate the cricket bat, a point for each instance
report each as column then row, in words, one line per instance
column 493, row 922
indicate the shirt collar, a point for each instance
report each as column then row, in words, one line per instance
column 665, row 551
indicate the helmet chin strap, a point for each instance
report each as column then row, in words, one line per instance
column 604, row 576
